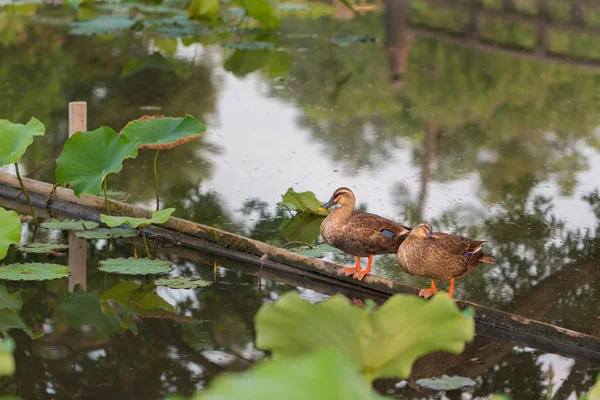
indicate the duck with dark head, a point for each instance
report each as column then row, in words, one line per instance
column 439, row 256
column 360, row 234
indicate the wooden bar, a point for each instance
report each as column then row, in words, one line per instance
column 200, row 237
column 77, row 117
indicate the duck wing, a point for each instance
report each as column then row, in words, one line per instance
column 376, row 223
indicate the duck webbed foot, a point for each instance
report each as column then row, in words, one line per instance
column 427, row 293
column 349, row 270
column 361, row 274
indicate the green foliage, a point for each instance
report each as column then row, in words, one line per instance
column 164, row 132
column 154, row 61
column 103, row 25
column 304, row 201
column 345, row 40
column 33, row 272
column 7, row 361
column 182, row 282
column 250, row 45
column 135, row 266
column 384, row 343
column 141, row 300
column 204, row 9
column 16, row 138
column 594, row 393
column 42, row 247
column 10, row 301
column 10, row 230
column 88, row 157
column 260, row 10
column 84, row 309
column 104, row 233
column 302, row 227
column 317, row 251
column 322, row 375
column 69, row 225
column 446, row 382
column 10, row 305
column 158, row 217
column 243, row 62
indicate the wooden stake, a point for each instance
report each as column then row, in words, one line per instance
column 77, row 117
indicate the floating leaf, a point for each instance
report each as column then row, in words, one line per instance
column 33, row 272
column 345, row 40
column 446, row 382
column 104, row 233
column 322, row 375
column 260, row 10
column 88, row 157
column 303, row 227
column 10, row 301
column 7, row 361
column 155, row 61
column 104, row 24
column 384, row 343
column 69, row 225
column 304, row 201
column 182, row 282
column 16, row 138
column 42, row 247
column 250, row 45
column 135, row 266
column 159, row 132
column 158, row 217
column 10, row 230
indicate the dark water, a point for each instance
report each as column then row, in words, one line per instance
column 495, row 138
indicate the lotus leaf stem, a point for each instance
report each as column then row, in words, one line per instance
column 145, row 242
column 106, row 198
column 26, row 194
column 156, row 180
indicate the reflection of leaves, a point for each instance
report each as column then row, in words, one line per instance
column 317, row 251
column 16, row 138
column 10, row 301
column 142, row 300
column 10, row 230
column 112, row 233
column 155, row 61
column 304, row 202
column 322, row 375
column 303, row 227
column 203, row 9
column 84, row 308
column 135, row 266
column 10, row 305
column 446, row 382
column 383, row 343
column 345, row 40
column 261, row 11
column 7, row 361
column 33, row 272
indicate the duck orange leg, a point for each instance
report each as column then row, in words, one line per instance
column 361, row 274
column 427, row 293
column 451, row 290
column 348, row 270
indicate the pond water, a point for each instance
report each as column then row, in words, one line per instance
column 490, row 138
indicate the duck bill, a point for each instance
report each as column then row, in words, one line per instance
column 327, row 205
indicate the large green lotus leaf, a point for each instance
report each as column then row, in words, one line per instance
column 10, row 230
column 142, row 300
column 321, row 375
column 84, row 308
column 163, row 132
column 135, row 266
column 158, row 217
column 104, row 233
column 260, row 10
column 7, row 361
column 303, row 201
column 42, row 247
column 303, row 227
column 69, row 225
column 33, row 272
column 182, row 282
column 88, row 157
column 10, row 301
column 104, row 24
column 446, row 382
column 384, row 343
column 16, row 138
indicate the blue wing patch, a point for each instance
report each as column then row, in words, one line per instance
column 468, row 253
column 388, row 233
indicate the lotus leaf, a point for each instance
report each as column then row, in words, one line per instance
column 142, row 300
column 10, row 301
column 158, row 132
column 135, row 266
column 84, row 308
column 33, row 272
column 384, row 343
column 69, row 225
column 158, row 217
column 42, row 247
column 303, row 227
column 446, row 382
column 250, row 45
column 182, row 282
column 104, row 24
column 260, row 10
column 321, row 375
column 7, row 361
column 88, row 157
column 16, row 138
column 10, row 230
column 112, row 233
column 303, row 201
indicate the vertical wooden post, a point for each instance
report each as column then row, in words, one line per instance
column 542, row 45
column 77, row 246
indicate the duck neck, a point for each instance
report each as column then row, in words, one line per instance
column 341, row 213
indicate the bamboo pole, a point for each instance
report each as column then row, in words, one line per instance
column 77, row 246
column 200, row 237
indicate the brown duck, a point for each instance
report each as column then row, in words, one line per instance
column 360, row 234
column 439, row 256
